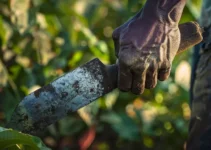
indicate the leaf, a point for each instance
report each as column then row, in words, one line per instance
column 122, row 124
column 20, row 14
column 11, row 139
column 3, row 75
column 70, row 126
column 9, row 103
column 2, row 32
column 194, row 7
column 47, row 8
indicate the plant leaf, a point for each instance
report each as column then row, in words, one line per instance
column 13, row 140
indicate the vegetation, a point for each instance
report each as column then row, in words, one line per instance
column 42, row 39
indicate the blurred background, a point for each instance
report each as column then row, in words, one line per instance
column 42, row 39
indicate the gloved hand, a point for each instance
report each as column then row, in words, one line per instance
column 147, row 44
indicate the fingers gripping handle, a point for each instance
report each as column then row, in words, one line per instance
column 191, row 34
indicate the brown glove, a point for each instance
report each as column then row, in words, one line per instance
column 147, row 44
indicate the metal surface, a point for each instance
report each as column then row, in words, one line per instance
column 66, row 94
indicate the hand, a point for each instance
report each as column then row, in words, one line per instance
column 147, row 44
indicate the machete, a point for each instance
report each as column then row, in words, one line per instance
column 78, row 88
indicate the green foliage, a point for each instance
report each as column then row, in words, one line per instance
column 13, row 140
column 42, row 39
column 123, row 125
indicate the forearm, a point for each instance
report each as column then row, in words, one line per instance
column 168, row 11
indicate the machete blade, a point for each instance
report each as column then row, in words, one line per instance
column 66, row 94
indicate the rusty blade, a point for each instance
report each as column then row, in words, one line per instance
column 62, row 96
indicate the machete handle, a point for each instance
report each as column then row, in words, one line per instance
column 191, row 34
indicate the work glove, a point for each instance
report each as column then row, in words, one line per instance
column 147, row 44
